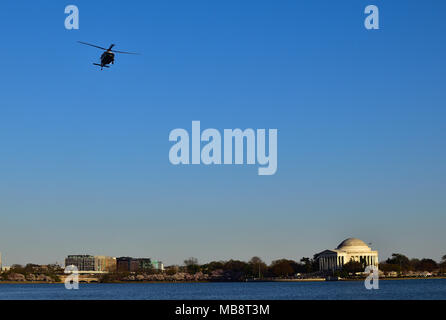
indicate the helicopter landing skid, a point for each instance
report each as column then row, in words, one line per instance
column 97, row 64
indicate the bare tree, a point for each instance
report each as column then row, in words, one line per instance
column 258, row 267
column 191, row 261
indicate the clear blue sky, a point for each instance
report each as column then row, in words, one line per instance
column 84, row 154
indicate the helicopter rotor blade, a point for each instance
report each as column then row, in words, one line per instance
column 124, row 52
column 111, row 46
column 92, row 45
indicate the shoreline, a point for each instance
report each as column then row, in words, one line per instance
column 250, row 281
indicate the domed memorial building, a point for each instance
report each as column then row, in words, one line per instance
column 349, row 249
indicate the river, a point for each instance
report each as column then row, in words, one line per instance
column 326, row 290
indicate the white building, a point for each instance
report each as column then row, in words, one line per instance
column 158, row 265
column 351, row 249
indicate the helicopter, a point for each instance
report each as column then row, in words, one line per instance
column 108, row 57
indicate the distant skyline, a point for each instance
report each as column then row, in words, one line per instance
column 61, row 262
column 84, row 153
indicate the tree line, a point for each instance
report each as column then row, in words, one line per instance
column 401, row 263
column 254, row 268
column 283, row 268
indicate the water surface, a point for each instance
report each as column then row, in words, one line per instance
column 388, row 289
